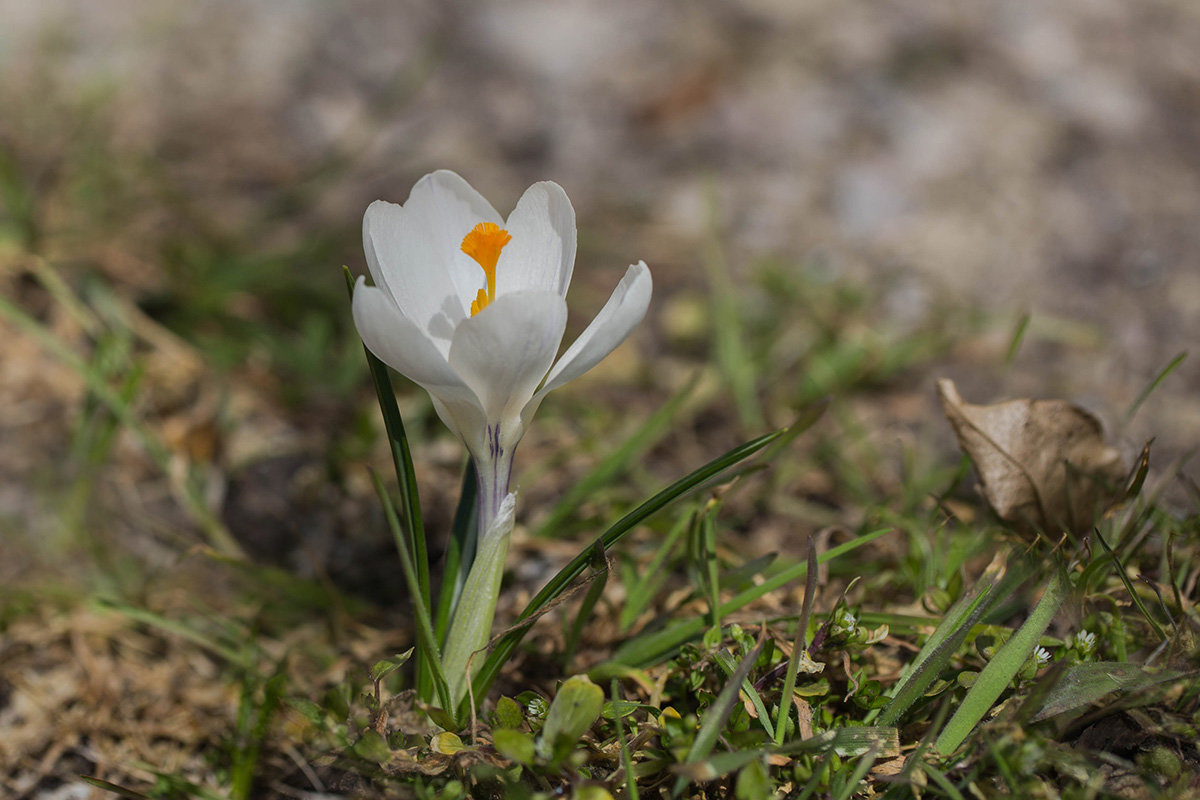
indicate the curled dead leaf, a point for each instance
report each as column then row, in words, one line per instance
column 1043, row 464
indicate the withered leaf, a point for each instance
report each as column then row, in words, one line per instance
column 1043, row 464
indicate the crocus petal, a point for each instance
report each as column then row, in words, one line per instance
column 503, row 352
column 414, row 251
column 623, row 311
column 396, row 340
column 541, row 255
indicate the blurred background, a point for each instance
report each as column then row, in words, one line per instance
column 835, row 198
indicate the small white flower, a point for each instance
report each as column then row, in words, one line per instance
column 1085, row 642
column 1042, row 655
column 471, row 307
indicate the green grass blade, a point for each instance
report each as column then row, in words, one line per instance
column 426, row 639
column 1162, row 376
column 798, row 644
column 1137, row 600
column 725, row 662
column 706, row 539
column 939, row 777
column 717, row 715
column 1000, row 671
column 631, row 790
column 639, row 594
column 580, row 619
column 1018, row 336
column 947, row 637
column 856, row 777
column 145, row 616
column 460, row 551
column 410, row 502
column 728, row 343
column 612, row 465
column 646, row 649
column 614, row 534
column 1086, row 683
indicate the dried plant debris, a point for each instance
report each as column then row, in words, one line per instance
column 1043, row 464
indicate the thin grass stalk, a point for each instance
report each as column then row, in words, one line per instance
column 798, row 645
column 426, row 639
column 460, row 551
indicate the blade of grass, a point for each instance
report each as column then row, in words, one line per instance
column 717, row 715
column 789, row 681
column 860, row 772
column 1162, row 376
column 410, row 501
column 638, row 595
column 460, row 552
column 999, row 672
column 725, row 662
column 645, row 649
column 729, row 350
column 1018, row 336
column 595, row 589
column 1137, row 600
column 707, row 541
column 559, row 583
column 942, row 781
column 426, row 639
column 995, row 583
column 631, row 790
column 231, row 655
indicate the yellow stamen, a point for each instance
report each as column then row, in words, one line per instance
column 484, row 243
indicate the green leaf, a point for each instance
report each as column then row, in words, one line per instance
column 446, row 743
column 507, row 714
column 1086, row 683
column 995, row 584
column 514, row 745
column 575, row 708
column 410, row 502
column 753, row 781
column 373, row 747
column 426, row 639
column 387, row 666
column 999, row 672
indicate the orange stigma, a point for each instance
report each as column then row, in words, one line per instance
column 484, row 243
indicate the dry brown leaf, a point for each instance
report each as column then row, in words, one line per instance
column 1043, row 464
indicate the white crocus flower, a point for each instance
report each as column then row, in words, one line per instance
column 472, row 308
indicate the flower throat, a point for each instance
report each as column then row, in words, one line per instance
column 484, row 243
